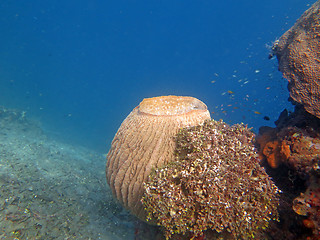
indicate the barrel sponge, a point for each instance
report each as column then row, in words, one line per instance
column 298, row 53
column 145, row 140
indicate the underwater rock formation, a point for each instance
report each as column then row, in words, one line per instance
column 298, row 53
column 296, row 147
column 214, row 184
column 145, row 140
column 308, row 205
column 295, row 144
column 293, row 150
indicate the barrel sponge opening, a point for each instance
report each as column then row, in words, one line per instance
column 170, row 105
column 145, row 140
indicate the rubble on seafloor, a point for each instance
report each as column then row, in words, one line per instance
column 291, row 152
column 53, row 190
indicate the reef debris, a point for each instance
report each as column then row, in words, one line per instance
column 214, row 184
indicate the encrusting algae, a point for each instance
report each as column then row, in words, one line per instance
column 215, row 183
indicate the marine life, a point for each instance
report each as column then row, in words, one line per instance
column 215, row 183
column 298, row 55
column 266, row 118
column 145, row 140
column 296, row 147
column 308, row 204
column 276, row 152
column 295, row 144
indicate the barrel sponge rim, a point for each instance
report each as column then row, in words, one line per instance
column 170, row 105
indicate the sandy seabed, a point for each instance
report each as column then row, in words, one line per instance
column 54, row 190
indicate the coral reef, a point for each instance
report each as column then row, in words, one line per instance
column 298, row 53
column 293, row 150
column 293, row 147
column 308, row 205
column 275, row 151
column 214, row 185
column 145, row 140
column 297, row 147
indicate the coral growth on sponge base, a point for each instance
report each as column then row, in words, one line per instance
column 215, row 183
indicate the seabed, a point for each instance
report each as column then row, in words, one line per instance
column 53, row 190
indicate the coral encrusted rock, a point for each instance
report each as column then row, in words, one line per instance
column 295, row 142
column 308, row 205
column 215, row 184
column 296, row 162
column 298, row 53
column 145, row 140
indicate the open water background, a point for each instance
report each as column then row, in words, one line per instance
column 80, row 67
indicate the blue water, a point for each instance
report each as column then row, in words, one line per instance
column 80, row 67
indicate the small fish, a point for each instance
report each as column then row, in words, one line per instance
column 266, row 118
column 230, row 92
column 256, row 112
